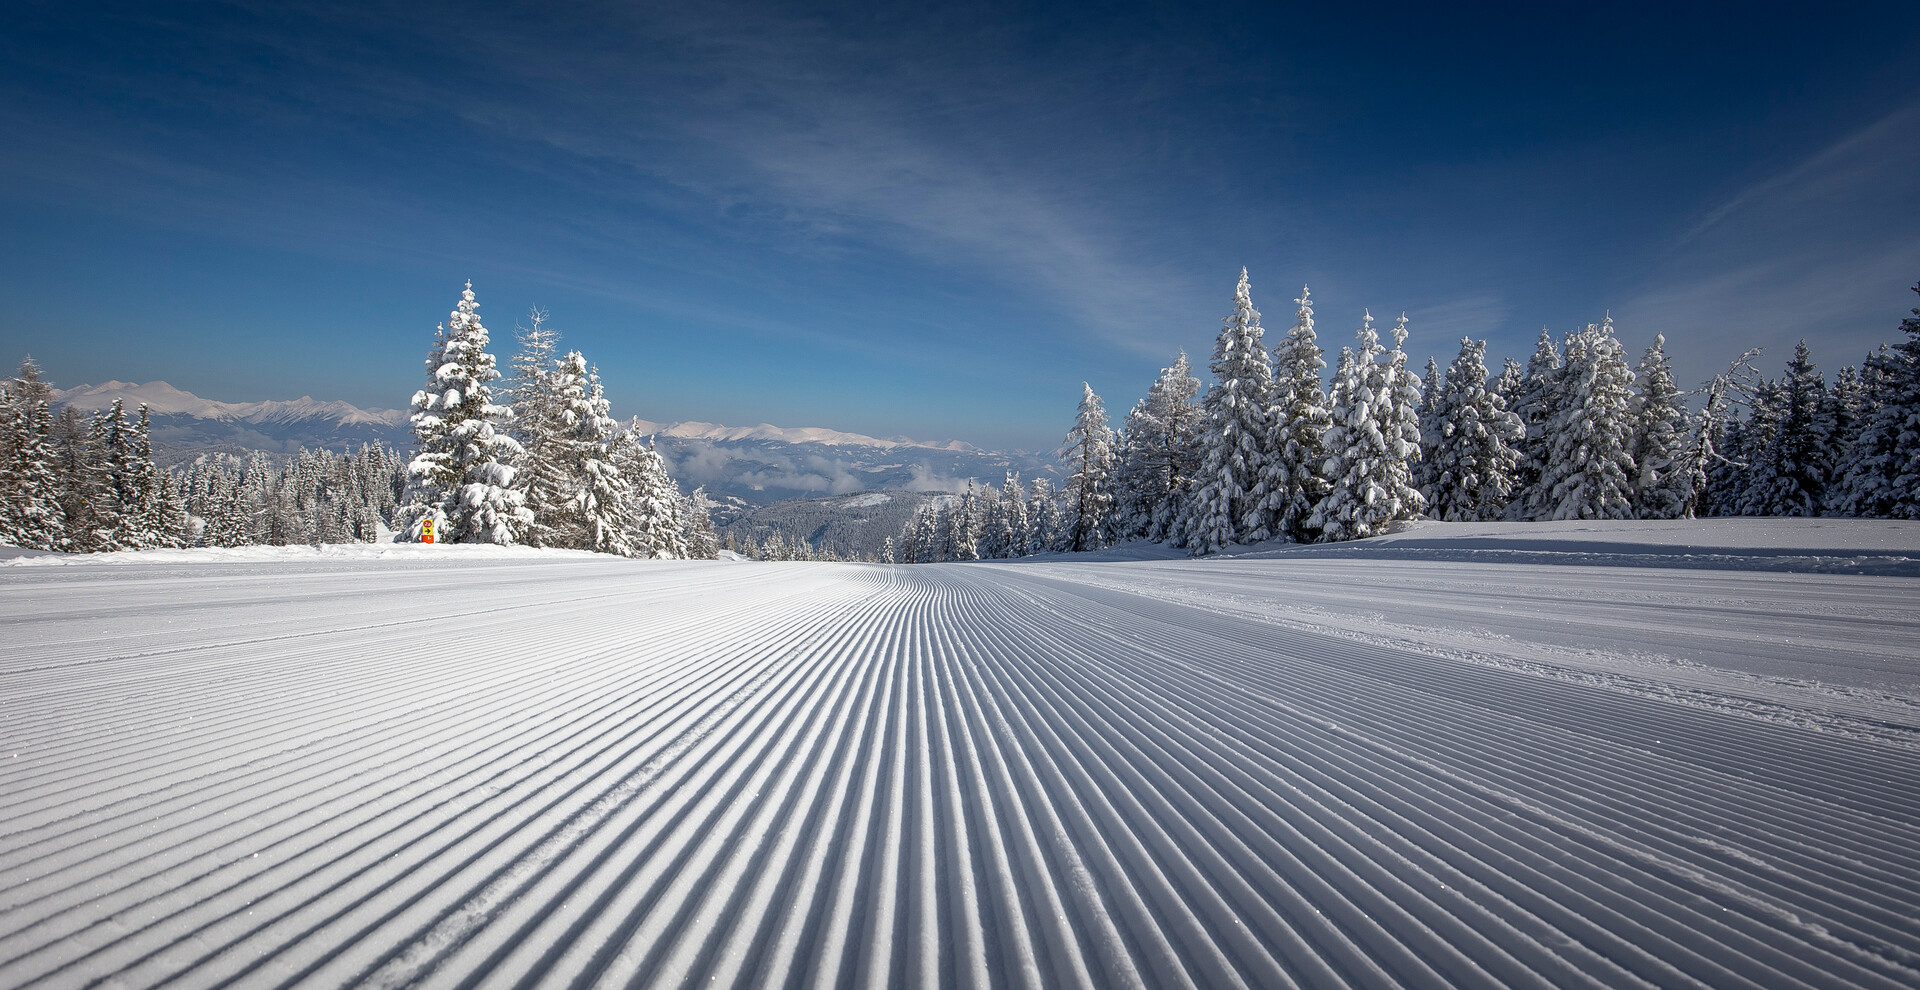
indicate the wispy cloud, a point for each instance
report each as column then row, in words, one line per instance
column 1440, row 327
column 793, row 124
column 1825, row 250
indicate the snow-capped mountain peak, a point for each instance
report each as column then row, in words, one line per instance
column 768, row 433
column 162, row 399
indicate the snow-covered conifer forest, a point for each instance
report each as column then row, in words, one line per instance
column 1469, row 685
column 1267, row 450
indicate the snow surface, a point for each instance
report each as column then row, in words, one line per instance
column 1433, row 765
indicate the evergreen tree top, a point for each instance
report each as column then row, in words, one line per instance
column 1368, row 337
column 1239, row 355
column 1546, row 356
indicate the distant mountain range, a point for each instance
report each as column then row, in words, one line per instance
column 185, row 424
column 740, row 465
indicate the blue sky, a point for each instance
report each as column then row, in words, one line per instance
column 936, row 223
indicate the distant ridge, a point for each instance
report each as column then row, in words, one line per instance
column 692, row 430
column 756, row 465
column 163, row 399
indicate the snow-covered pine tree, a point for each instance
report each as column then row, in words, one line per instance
column 226, row 512
column 990, row 524
column 154, row 520
column 1297, row 447
column 1846, row 403
column 75, row 463
column 461, row 473
column 1589, row 473
column 117, row 497
column 1089, row 450
column 1866, row 391
column 543, row 390
column 652, row 524
column 1133, row 482
column 1374, row 438
column 30, row 512
column 1157, row 456
column 1789, row 476
column 1432, row 419
column 1477, row 447
column 963, row 536
column 1174, row 399
column 1534, row 404
column 598, row 495
column 1884, row 466
column 1015, row 530
column 696, row 524
column 925, row 535
column 1229, row 502
column 1043, row 513
column 1662, row 484
column 1351, row 410
column 1749, row 446
column 1400, row 422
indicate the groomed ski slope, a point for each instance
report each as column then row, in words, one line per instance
column 395, row 766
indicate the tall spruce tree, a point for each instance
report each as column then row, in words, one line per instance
column 1016, row 527
column 1133, row 481
column 1400, row 419
column 1476, row 448
column 1534, row 404
column 117, row 496
column 1749, row 448
column 1662, row 482
column 154, row 520
column 598, row 495
column 963, row 529
column 1589, row 471
column 1159, row 455
column 1373, row 441
column 1297, row 445
column 30, row 511
column 696, row 523
column 1432, row 419
column 1089, row 450
column 1229, row 503
column 461, row 474
column 652, row 523
column 1846, row 404
column 1789, row 477
column 542, row 391
column 1043, row 513
column 990, row 524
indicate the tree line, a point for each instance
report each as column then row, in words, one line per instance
column 1268, row 451
column 1271, row 451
